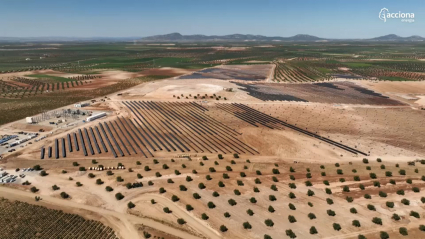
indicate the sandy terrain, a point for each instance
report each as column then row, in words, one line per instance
column 393, row 133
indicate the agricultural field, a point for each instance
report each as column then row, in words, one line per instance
column 214, row 140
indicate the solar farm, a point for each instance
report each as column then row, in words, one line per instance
column 317, row 140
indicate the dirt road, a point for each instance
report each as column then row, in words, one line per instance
column 124, row 222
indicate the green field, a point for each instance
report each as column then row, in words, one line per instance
column 43, row 76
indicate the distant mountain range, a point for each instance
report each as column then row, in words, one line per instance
column 177, row 37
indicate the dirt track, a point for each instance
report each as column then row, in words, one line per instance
column 121, row 222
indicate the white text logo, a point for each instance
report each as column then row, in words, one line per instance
column 384, row 14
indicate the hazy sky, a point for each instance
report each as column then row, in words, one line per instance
column 122, row 18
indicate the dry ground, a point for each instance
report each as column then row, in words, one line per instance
column 394, row 134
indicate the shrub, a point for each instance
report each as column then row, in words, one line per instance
column 403, row 231
column 330, row 213
column 183, row 188
column 246, row 225
column 269, row 222
column 130, row 205
column 405, row 201
column 291, row 219
column 377, row 220
column 232, row 202
column 414, row 214
column 64, row 195
column 336, row 226
column 181, row 221
column 396, row 217
column 189, row 207
column 211, row 205
column 356, row 223
column 371, row 207
column 383, row 235
column 119, row 196
column 174, row 198
column 166, row 210
column 290, row 233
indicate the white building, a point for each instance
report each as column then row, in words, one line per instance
column 96, row 116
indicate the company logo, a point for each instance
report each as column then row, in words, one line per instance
column 385, row 14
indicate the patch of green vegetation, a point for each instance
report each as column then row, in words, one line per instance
column 357, row 64
column 393, row 78
column 50, row 77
